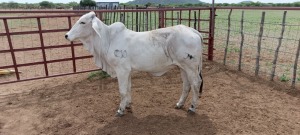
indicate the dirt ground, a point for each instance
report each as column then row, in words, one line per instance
column 232, row 103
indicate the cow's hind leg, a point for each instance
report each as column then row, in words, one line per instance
column 195, row 81
column 185, row 89
column 123, row 80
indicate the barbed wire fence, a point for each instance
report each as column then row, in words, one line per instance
column 263, row 43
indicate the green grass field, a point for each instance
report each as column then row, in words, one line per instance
column 270, row 40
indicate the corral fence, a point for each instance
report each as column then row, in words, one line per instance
column 32, row 42
column 260, row 41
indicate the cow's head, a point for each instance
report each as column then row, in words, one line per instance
column 84, row 27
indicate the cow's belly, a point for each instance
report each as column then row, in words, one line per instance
column 155, row 62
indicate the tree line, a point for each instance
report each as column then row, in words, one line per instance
column 92, row 3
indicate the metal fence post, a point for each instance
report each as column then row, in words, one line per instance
column 11, row 49
column 43, row 46
column 72, row 46
column 211, row 34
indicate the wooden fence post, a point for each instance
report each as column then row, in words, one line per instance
column 242, row 41
column 259, row 42
column 228, row 35
column 295, row 65
column 278, row 47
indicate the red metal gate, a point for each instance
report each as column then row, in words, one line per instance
column 34, row 47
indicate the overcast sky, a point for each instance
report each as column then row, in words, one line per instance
column 123, row 1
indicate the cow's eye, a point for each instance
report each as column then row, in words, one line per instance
column 82, row 22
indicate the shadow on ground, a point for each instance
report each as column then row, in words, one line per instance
column 157, row 124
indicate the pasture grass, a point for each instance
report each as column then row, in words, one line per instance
column 270, row 40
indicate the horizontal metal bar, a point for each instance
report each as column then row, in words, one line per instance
column 50, row 61
column 187, row 19
column 38, row 48
column 204, row 31
column 34, row 32
column 38, row 16
column 1, row 83
column 260, row 8
column 86, row 11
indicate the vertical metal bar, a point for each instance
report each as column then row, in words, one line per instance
column 199, row 20
column 189, row 18
column 143, row 24
column 150, row 21
column 114, row 18
column 172, row 18
column 100, row 16
column 42, row 45
column 140, row 21
column 72, row 47
column 211, row 34
column 177, row 18
column 11, row 49
column 146, row 21
column 132, row 19
column 137, row 20
column 162, row 19
column 155, row 12
column 165, row 20
column 180, row 13
column 195, row 20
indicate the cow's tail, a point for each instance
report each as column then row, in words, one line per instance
column 200, row 62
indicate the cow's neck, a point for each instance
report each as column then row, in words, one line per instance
column 98, row 47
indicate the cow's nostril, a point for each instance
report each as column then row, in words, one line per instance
column 66, row 36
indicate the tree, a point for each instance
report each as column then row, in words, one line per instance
column 12, row 4
column 73, row 4
column 148, row 4
column 89, row 3
column 46, row 4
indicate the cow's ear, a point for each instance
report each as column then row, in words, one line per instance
column 96, row 25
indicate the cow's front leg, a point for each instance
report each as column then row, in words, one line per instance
column 123, row 80
column 128, row 103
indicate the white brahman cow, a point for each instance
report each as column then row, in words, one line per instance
column 119, row 51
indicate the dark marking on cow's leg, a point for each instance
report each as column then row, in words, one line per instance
column 191, row 110
column 201, row 86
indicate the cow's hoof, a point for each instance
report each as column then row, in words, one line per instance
column 178, row 107
column 119, row 114
column 191, row 112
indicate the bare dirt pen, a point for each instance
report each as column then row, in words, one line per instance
column 232, row 103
